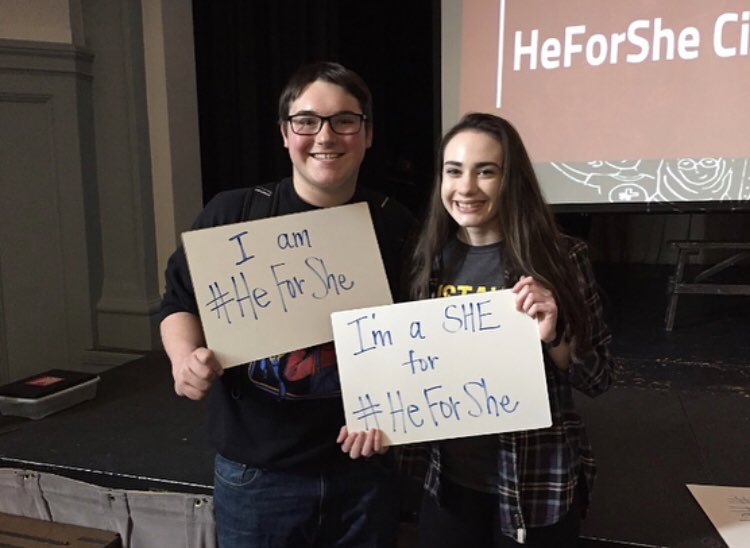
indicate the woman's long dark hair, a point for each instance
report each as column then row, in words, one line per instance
column 533, row 244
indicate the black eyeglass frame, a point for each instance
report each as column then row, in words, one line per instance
column 323, row 119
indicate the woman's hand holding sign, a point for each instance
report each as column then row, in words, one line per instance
column 539, row 302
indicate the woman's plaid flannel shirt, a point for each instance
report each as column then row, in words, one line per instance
column 540, row 469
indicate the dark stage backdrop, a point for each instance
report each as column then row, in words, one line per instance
column 246, row 50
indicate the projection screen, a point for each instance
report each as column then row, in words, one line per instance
column 641, row 103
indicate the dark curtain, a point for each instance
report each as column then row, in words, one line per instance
column 246, row 50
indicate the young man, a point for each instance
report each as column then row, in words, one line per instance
column 281, row 478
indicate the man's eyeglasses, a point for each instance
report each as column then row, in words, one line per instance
column 343, row 123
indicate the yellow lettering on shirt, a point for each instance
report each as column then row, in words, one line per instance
column 446, row 290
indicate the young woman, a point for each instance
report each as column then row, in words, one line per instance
column 489, row 227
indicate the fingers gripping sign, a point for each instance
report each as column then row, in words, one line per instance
column 361, row 444
column 538, row 302
column 194, row 374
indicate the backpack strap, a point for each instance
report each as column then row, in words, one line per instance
column 379, row 205
column 261, row 201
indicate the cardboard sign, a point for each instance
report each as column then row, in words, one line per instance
column 728, row 508
column 442, row 368
column 269, row 286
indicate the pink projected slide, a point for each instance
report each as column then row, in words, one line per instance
column 635, row 101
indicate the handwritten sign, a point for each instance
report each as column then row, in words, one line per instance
column 728, row 508
column 269, row 286
column 441, row 368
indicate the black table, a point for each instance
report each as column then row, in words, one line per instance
column 135, row 434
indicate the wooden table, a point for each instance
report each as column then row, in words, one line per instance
column 700, row 284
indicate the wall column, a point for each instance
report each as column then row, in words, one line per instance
column 127, row 310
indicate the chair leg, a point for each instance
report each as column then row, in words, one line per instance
column 682, row 256
column 671, row 310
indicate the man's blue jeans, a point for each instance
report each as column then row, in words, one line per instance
column 352, row 504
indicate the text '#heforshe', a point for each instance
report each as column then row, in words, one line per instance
column 238, row 296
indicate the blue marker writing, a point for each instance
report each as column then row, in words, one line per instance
column 468, row 317
column 378, row 338
column 238, row 238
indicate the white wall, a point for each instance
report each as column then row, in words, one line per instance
column 100, row 146
column 173, row 120
column 41, row 20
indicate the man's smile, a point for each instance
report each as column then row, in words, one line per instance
column 326, row 155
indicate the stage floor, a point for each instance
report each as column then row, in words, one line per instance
column 679, row 412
